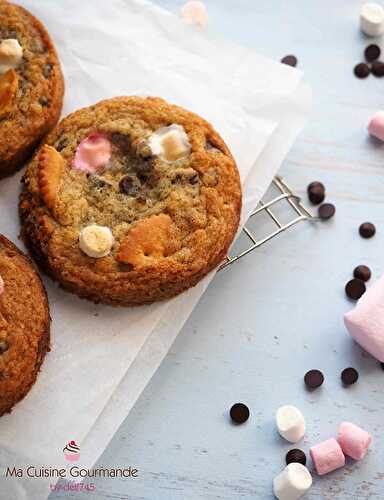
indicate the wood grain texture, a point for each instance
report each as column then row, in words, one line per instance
column 278, row 313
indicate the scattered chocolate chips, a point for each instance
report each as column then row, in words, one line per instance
column 349, row 376
column 367, row 230
column 377, row 68
column 316, row 195
column 290, row 60
column 127, row 185
column 295, row 456
column 313, row 379
column 326, row 211
column 355, row 288
column 4, row 346
column 239, row 413
column 362, row 273
column 372, row 52
column 361, row 70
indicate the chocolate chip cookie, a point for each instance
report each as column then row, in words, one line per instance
column 24, row 325
column 130, row 201
column 31, row 85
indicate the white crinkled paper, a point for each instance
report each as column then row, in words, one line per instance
column 102, row 358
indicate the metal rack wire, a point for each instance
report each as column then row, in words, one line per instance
column 284, row 195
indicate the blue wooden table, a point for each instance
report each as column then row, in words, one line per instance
column 277, row 313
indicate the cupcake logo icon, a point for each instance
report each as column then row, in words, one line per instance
column 71, row 452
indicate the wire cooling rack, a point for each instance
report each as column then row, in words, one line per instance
column 283, row 198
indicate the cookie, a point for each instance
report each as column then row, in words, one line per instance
column 130, row 201
column 24, row 325
column 31, row 85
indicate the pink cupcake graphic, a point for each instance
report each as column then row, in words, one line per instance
column 71, row 452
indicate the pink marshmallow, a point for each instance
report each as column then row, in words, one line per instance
column 92, row 154
column 376, row 125
column 353, row 440
column 365, row 323
column 327, row 456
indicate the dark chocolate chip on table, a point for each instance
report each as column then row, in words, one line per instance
column 290, row 60
column 361, row 70
column 315, row 184
column 316, row 195
column 349, row 376
column 355, row 288
column 372, row 52
column 313, row 379
column 295, row 456
column 326, row 211
column 382, row 366
column 362, row 273
column 367, row 230
column 377, row 68
column 239, row 413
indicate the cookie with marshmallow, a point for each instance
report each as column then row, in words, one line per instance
column 26, row 55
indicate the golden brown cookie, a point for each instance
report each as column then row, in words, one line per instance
column 130, row 201
column 31, row 85
column 24, row 325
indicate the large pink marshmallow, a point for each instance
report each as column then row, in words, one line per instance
column 327, row 456
column 353, row 440
column 365, row 322
column 376, row 125
column 92, row 154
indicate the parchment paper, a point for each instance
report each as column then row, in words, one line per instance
column 102, row 358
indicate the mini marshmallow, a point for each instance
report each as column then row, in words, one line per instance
column 376, row 125
column 170, row 143
column 11, row 54
column 372, row 19
column 353, row 440
column 327, row 456
column 195, row 12
column 292, row 483
column 96, row 241
column 365, row 323
column 92, row 154
column 2, row 286
column 290, row 423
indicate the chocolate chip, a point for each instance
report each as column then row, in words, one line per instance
column 47, row 70
column 326, row 211
column 315, row 184
column 361, row 70
column 194, row 179
column 295, row 456
column 367, row 230
column 349, row 376
column 290, row 60
column 362, row 273
column 313, row 379
column 377, row 68
column 382, row 366
column 43, row 101
column 127, row 185
column 372, row 52
column 355, row 289
column 316, row 195
column 61, row 144
column 121, row 141
column 239, row 413
column 4, row 346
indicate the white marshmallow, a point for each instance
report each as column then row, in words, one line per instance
column 11, row 54
column 170, row 143
column 292, row 483
column 96, row 241
column 290, row 423
column 372, row 19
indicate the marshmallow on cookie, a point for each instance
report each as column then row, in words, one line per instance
column 11, row 54
column 170, row 143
